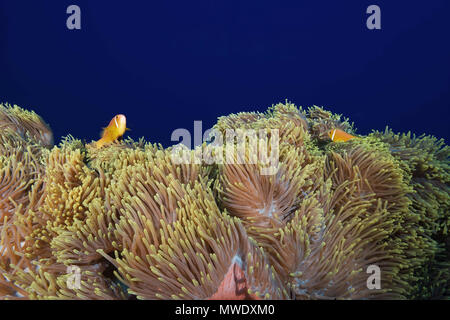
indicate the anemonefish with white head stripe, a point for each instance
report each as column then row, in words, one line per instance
column 337, row 135
column 113, row 131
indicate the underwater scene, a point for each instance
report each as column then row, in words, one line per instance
column 310, row 169
column 140, row 221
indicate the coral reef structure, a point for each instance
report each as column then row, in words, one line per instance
column 129, row 222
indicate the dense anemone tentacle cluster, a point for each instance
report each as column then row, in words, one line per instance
column 425, row 159
column 20, row 167
column 26, row 124
column 134, row 223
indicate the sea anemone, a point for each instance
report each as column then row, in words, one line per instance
column 133, row 222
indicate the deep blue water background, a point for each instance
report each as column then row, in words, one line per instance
column 165, row 64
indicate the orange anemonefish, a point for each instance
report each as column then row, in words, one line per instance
column 113, row 131
column 337, row 135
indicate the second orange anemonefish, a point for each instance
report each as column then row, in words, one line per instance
column 337, row 135
column 113, row 131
